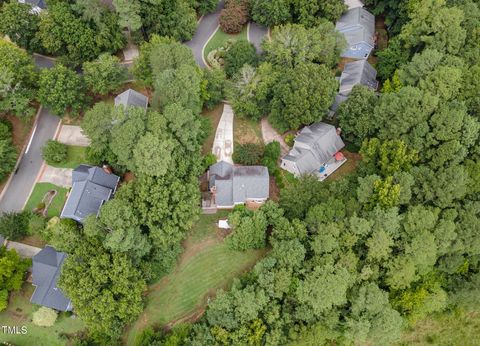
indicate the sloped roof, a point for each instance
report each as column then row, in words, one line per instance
column 46, row 269
column 353, row 3
column 236, row 184
column 91, row 187
column 314, row 146
column 39, row 3
column 131, row 98
column 358, row 25
column 357, row 72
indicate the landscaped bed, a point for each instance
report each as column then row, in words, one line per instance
column 205, row 266
column 76, row 155
column 220, row 38
column 19, row 313
column 39, row 193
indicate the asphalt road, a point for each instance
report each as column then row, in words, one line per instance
column 22, row 182
column 206, row 27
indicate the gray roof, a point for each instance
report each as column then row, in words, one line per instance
column 39, row 3
column 91, row 187
column 131, row 98
column 357, row 72
column 358, row 25
column 339, row 99
column 314, row 146
column 46, row 269
column 237, row 184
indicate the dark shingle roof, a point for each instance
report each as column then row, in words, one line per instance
column 46, row 269
column 358, row 25
column 39, row 3
column 357, row 72
column 131, row 98
column 91, row 187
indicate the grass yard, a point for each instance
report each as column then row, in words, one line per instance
column 39, row 192
column 76, row 155
column 353, row 159
column 213, row 116
column 19, row 313
column 219, row 39
column 205, row 266
column 247, row 131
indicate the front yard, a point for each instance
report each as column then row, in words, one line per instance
column 76, row 155
column 205, row 266
column 219, row 38
column 19, row 313
column 38, row 194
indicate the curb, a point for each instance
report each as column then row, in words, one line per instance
column 22, row 152
column 205, row 44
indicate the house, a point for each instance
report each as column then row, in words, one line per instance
column 131, row 98
column 358, row 27
column 91, row 187
column 37, row 5
column 231, row 185
column 46, row 267
column 353, row 3
column 357, row 72
column 316, row 151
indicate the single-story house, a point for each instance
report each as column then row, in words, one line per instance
column 46, row 268
column 357, row 72
column 91, row 187
column 37, row 5
column 316, row 151
column 131, row 98
column 358, row 27
column 231, row 185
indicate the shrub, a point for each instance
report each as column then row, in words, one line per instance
column 36, row 225
column 213, row 87
column 44, row 317
column 54, row 152
column 8, row 157
column 5, row 129
column 104, row 74
column 241, row 53
column 208, row 160
column 271, row 156
column 249, row 230
column 234, row 16
column 248, row 154
column 290, row 139
column 14, row 226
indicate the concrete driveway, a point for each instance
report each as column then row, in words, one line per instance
column 223, row 143
column 73, row 135
column 57, row 176
column 24, row 250
column 206, row 27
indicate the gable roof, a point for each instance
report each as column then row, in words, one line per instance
column 358, row 25
column 91, row 187
column 314, row 146
column 237, row 184
column 46, row 270
column 131, row 98
column 357, row 72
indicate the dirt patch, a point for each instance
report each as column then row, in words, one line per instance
column 213, row 116
column 274, row 190
column 247, row 131
column 128, row 176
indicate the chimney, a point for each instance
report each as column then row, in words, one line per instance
column 107, row 169
column 339, row 131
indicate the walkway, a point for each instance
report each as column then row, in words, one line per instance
column 269, row 134
column 256, row 34
column 207, row 26
column 73, row 135
column 223, row 143
column 24, row 250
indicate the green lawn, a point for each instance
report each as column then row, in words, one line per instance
column 219, row 39
column 205, row 266
column 76, row 155
column 19, row 313
column 39, row 192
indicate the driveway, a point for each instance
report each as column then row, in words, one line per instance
column 57, row 176
column 256, row 34
column 24, row 250
column 73, row 135
column 223, row 143
column 269, row 134
column 42, row 61
column 18, row 190
column 206, row 27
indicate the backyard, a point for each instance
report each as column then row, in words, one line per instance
column 39, row 192
column 205, row 266
column 76, row 155
column 219, row 39
column 19, row 313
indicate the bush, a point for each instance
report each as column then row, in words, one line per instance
column 249, row 230
column 14, row 226
column 271, row 156
column 241, row 53
column 104, row 74
column 54, row 152
column 8, row 157
column 44, row 317
column 36, row 225
column 214, row 84
column 5, row 129
column 290, row 139
column 234, row 16
column 208, row 160
column 248, row 154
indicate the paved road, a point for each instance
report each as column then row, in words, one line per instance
column 21, row 184
column 256, row 34
column 206, row 27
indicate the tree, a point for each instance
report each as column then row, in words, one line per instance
column 44, row 317
column 271, row 13
column 242, row 52
column 54, row 152
column 205, row 6
column 249, row 231
column 61, row 89
column 213, row 87
column 234, row 16
column 129, row 13
column 14, row 226
column 293, row 44
column 12, row 273
column 8, row 157
column 248, row 153
column 20, row 24
column 356, row 115
column 167, row 54
column 310, row 13
column 104, row 74
column 301, row 96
